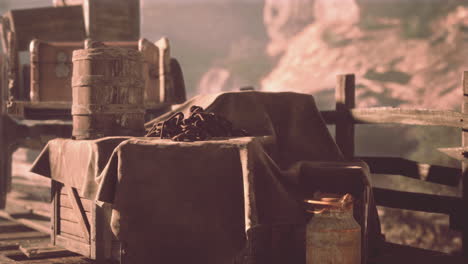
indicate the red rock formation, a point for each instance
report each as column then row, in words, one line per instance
column 391, row 68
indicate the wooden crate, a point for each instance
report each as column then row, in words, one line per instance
column 81, row 226
column 52, row 67
column 51, row 70
column 50, row 76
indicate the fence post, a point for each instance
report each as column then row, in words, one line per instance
column 5, row 167
column 464, row 179
column 345, row 101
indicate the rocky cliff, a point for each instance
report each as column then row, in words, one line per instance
column 401, row 58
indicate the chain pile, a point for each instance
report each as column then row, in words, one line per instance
column 200, row 125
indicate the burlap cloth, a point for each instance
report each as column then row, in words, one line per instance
column 218, row 201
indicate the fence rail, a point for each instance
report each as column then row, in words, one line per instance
column 392, row 115
column 425, row 172
column 346, row 116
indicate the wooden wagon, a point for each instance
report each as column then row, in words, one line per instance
column 36, row 95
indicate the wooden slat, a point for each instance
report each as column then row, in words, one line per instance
column 69, row 215
column 14, row 244
column 165, row 84
column 417, row 201
column 44, row 251
column 56, row 200
column 426, row 172
column 12, row 227
column 72, row 233
column 345, row 101
column 3, row 136
column 391, row 115
column 73, row 245
column 101, row 233
column 464, row 180
column 65, row 202
column 65, row 192
column 18, row 257
column 4, row 259
column 79, row 211
column 22, row 235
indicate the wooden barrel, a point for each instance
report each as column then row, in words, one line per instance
column 108, row 91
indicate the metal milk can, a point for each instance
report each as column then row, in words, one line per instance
column 332, row 235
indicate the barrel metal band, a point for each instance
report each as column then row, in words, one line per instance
column 89, row 109
column 111, row 53
column 89, row 80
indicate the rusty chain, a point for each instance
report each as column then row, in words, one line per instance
column 200, row 125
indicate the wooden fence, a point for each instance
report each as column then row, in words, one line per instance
column 346, row 116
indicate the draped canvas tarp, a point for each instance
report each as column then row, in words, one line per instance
column 236, row 200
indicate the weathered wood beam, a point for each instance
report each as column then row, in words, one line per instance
column 391, row 115
column 80, row 214
column 417, row 201
column 426, row 172
column 464, row 178
column 112, row 20
column 345, row 101
column 62, row 24
column 4, row 178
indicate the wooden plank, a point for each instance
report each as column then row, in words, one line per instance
column 112, row 20
column 12, row 227
column 4, row 259
column 73, row 245
column 65, row 192
column 150, row 70
column 4, row 159
column 22, row 235
column 69, row 215
column 34, row 224
column 464, row 178
column 392, row 115
column 72, row 228
column 45, row 105
column 54, row 218
column 79, row 211
column 4, row 177
column 426, row 172
column 35, row 74
column 14, row 244
column 417, row 201
column 7, row 147
column 62, row 24
column 345, row 101
column 65, row 202
column 165, row 82
column 44, row 251
column 20, row 257
column 101, row 233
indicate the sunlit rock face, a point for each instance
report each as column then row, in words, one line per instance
column 399, row 60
